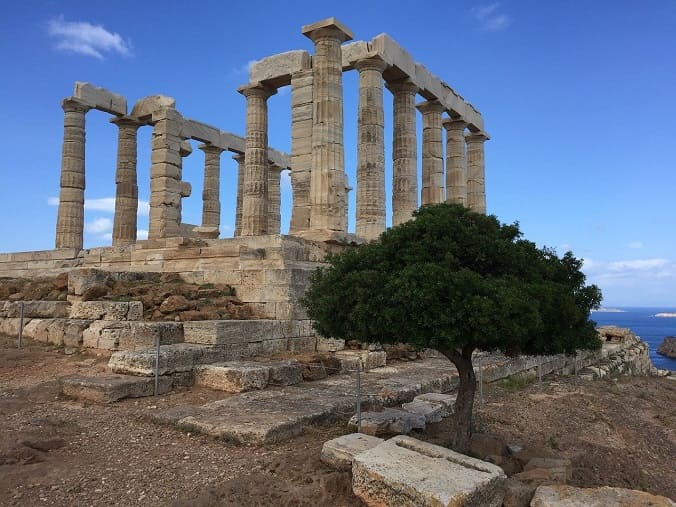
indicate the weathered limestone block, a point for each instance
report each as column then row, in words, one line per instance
column 79, row 280
column 568, row 496
column 180, row 357
column 338, row 452
column 365, row 359
column 447, row 401
column 430, row 411
column 284, row 373
column 216, row 332
column 110, row 388
column 145, row 107
column 232, row 377
column 277, row 69
column 34, row 309
column 68, row 332
column 406, row 472
column 388, row 422
column 100, row 98
column 10, row 326
column 107, row 310
column 111, row 335
column 330, row 344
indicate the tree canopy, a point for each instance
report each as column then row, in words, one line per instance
column 456, row 280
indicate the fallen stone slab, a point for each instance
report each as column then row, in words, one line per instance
column 111, row 388
column 179, row 357
column 232, row 377
column 107, row 310
column 338, row 452
column 404, row 471
column 447, row 401
column 430, row 411
column 390, row 421
column 568, row 496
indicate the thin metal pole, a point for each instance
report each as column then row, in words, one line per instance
column 539, row 371
column 157, row 364
column 575, row 363
column 481, row 381
column 20, row 323
column 359, row 396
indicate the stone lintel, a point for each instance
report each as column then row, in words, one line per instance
column 199, row 131
column 145, row 107
column 276, row 70
column 311, row 31
column 100, row 98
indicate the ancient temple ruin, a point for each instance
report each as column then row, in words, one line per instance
column 267, row 269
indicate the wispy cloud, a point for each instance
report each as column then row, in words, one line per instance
column 610, row 272
column 636, row 245
column 105, row 204
column 490, row 18
column 244, row 68
column 100, row 226
column 85, row 38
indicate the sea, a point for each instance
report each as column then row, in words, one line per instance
column 642, row 321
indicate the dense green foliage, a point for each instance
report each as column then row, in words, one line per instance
column 452, row 278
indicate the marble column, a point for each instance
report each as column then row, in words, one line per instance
column 328, row 200
column 370, row 223
column 274, row 199
column 70, row 216
column 211, row 192
column 433, row 155
column 301, row 149
column 404, row 151
column 456, row 174
column 125, row 221
column 255, row 185
column 476, row 179
column 240, row 189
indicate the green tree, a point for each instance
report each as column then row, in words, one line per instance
column 456, row 281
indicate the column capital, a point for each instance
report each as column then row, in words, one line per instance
column 372, row 63
column 210, row 148
column 430, row 106
column 403, row 86
column 126, row 121
column 454, row 124
column 327, row 28
column 73, row 105
column 257, row 89
column 476, row 137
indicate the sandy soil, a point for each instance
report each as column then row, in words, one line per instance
column 55, row 451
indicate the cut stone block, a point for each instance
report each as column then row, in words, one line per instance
column 330, row 344
column 111, row 335
column 175, row 358
column 365, row 359
column 388, row 422
column 110, row 388
column 217, row 332
column 338, row 452
column 447, row 401
column 568, row 496
column 232, row 377
column 406, row 472
column 34, row 309
column 560, row 470
column 79, row 280
column 107, row 310
column 430, row 411
column 101, row 98
column 284, row 373
column 277, row 69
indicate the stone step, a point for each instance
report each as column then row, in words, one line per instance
column 34, row 309
column 176, row 358
column 111, row 388
column 365, row 359
column 237, row 376
column 339, row 452
column 107, row 310
column 390, row 421
column 130, row 335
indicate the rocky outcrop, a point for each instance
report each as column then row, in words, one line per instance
column 668, row 347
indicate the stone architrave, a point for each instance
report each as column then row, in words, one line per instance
column 327, row 181
column 166, row 187
column 433, row 155
column 301, row 149
column 126, row 182
column 370, row 221
column 70, row 216
column 476, row 178
column 274, row 199
column 404, row 151
column 255, row 185
column 239, row 158
column 211, row 196
column 456, row 171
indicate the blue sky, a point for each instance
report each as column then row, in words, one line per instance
column 577, row 96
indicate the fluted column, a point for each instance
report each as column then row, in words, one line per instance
column 274, row 199
column 125, row 221
column 328, row 200
column 476, row 182
column 240, row 190
column 433, row 155
column 456, row 174
column 404, row 151
column 211, row 192
column 255, row 185
column 301, row 149
column 70, row 216
column 370, row 223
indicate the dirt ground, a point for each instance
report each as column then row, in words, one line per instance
column 56, row 451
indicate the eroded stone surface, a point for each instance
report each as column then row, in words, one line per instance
column 568, row 496
column 107, row 310
column 232, row 377
column 338, row 452
column 110, row 388
column 430, row 411
column 388, row 422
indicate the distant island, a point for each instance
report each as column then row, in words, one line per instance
column 666, row 314
column 609, row 310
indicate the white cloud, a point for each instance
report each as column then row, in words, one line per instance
column 53, row 201
column 619, row 272
column 105, row 204
column 143, row 208
column 490, row 19
column 638, row 265
column 100, row 226
column 85, row 38
column 245, row 68
column 636, row 245
column 141, row 234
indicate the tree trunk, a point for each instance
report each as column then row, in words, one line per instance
column 462, row 417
